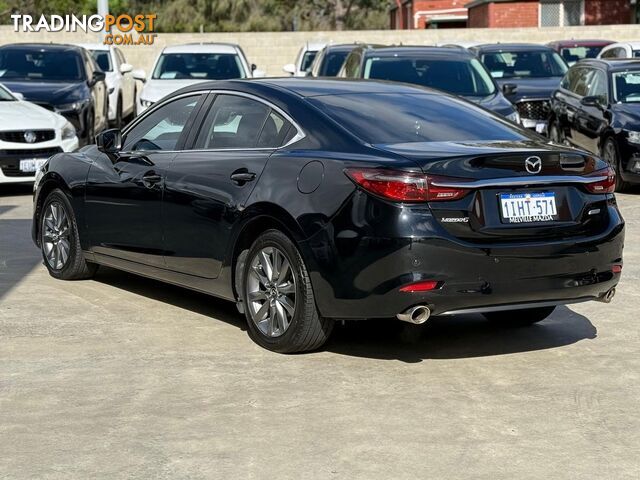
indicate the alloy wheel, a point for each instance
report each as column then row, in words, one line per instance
column 271, row 291
column 55, row 236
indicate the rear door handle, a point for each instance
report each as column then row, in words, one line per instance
column 243, row 177
column 152, row 178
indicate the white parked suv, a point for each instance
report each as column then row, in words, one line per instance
column 182, row 65
column 119, row 78
column 620, row 50
column 304, row 59
column 29, row 135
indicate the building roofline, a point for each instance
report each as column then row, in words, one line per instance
column 477, row 3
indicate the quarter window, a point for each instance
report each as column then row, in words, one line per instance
column 161, row 130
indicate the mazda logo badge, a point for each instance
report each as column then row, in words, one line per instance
column 533, row 165
column 29, row 136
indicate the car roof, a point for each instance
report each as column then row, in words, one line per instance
column 314, row 46
column 452, row 51
column 581, row 43
column 633, row 45
column 612, row 64
column 202, row 48
column 513, row 47
column 310, row 87
column 94, row 46
column 58, row 47
column 340, row 47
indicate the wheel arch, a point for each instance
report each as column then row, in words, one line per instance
column 50, row 182
column 257, row 219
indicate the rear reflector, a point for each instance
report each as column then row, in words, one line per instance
column 402, row 186
column 608, row 185
column 616, row 269
column 424, row 286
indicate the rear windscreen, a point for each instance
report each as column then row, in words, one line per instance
column 384, row 118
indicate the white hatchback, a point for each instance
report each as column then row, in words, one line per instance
column 29, row 135
column 182, row 65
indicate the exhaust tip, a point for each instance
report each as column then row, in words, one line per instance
column 607, row 297
column 416, row 315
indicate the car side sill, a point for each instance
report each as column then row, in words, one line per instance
column 199, row 284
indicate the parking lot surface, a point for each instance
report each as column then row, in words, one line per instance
column 124, row 377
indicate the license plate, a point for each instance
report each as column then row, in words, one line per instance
column 528, row 207
column 31, row 164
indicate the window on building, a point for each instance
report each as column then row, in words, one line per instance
column 558, row 13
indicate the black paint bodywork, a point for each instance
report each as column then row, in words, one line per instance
column 359, row 249
column 588, row 126
column 88, row 93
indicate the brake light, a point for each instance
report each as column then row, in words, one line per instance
column 608, row 185
column 616, row 269
column 404, row 186
column 423, row 286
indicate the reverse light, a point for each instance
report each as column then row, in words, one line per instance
column 423, row 286
column 608, row 185
column 403, row 186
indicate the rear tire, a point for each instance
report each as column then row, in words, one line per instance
column 519, row 318
column 278, row 299
column 612, row 157
column 59, row 240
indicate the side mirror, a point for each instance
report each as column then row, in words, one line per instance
column 289, row 68
column 257, row 73
column 509, row 88
column 18, row 95
column 98, row 76
column 591, row 101
column 139, row 75
column 126, row 68
column 109, row 141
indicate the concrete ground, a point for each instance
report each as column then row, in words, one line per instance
column 123, row 377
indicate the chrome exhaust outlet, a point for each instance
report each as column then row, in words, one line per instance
column 607, row 297
column 417, row 315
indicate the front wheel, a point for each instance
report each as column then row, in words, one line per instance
column 519, row 318
column 279, row 302
column 60, row 242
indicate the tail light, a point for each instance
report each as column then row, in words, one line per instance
column 608, row 185
column 402, row 186
column 423, row 286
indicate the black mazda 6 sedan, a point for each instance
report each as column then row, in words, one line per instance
column 597, row 108
column 307, row 201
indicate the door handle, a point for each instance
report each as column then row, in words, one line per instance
column 151, row 178
column 242, row 177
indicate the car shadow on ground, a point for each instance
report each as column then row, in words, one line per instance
column 463, row 336
column 440, row 338
column 190, row 300
column 16, row 189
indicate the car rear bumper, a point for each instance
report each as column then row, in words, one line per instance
column 367, row 285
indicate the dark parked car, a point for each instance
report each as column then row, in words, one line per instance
column 528, row 75
column 329, row 60
column 597, row 108
column 451, row 69
column 61, row 78
column 306, row 201
column 572, row 51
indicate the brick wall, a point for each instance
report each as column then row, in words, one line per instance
column 514, row 14
column 479, row 16
column 431, row 5
column 607, row 12
column 271, row 50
